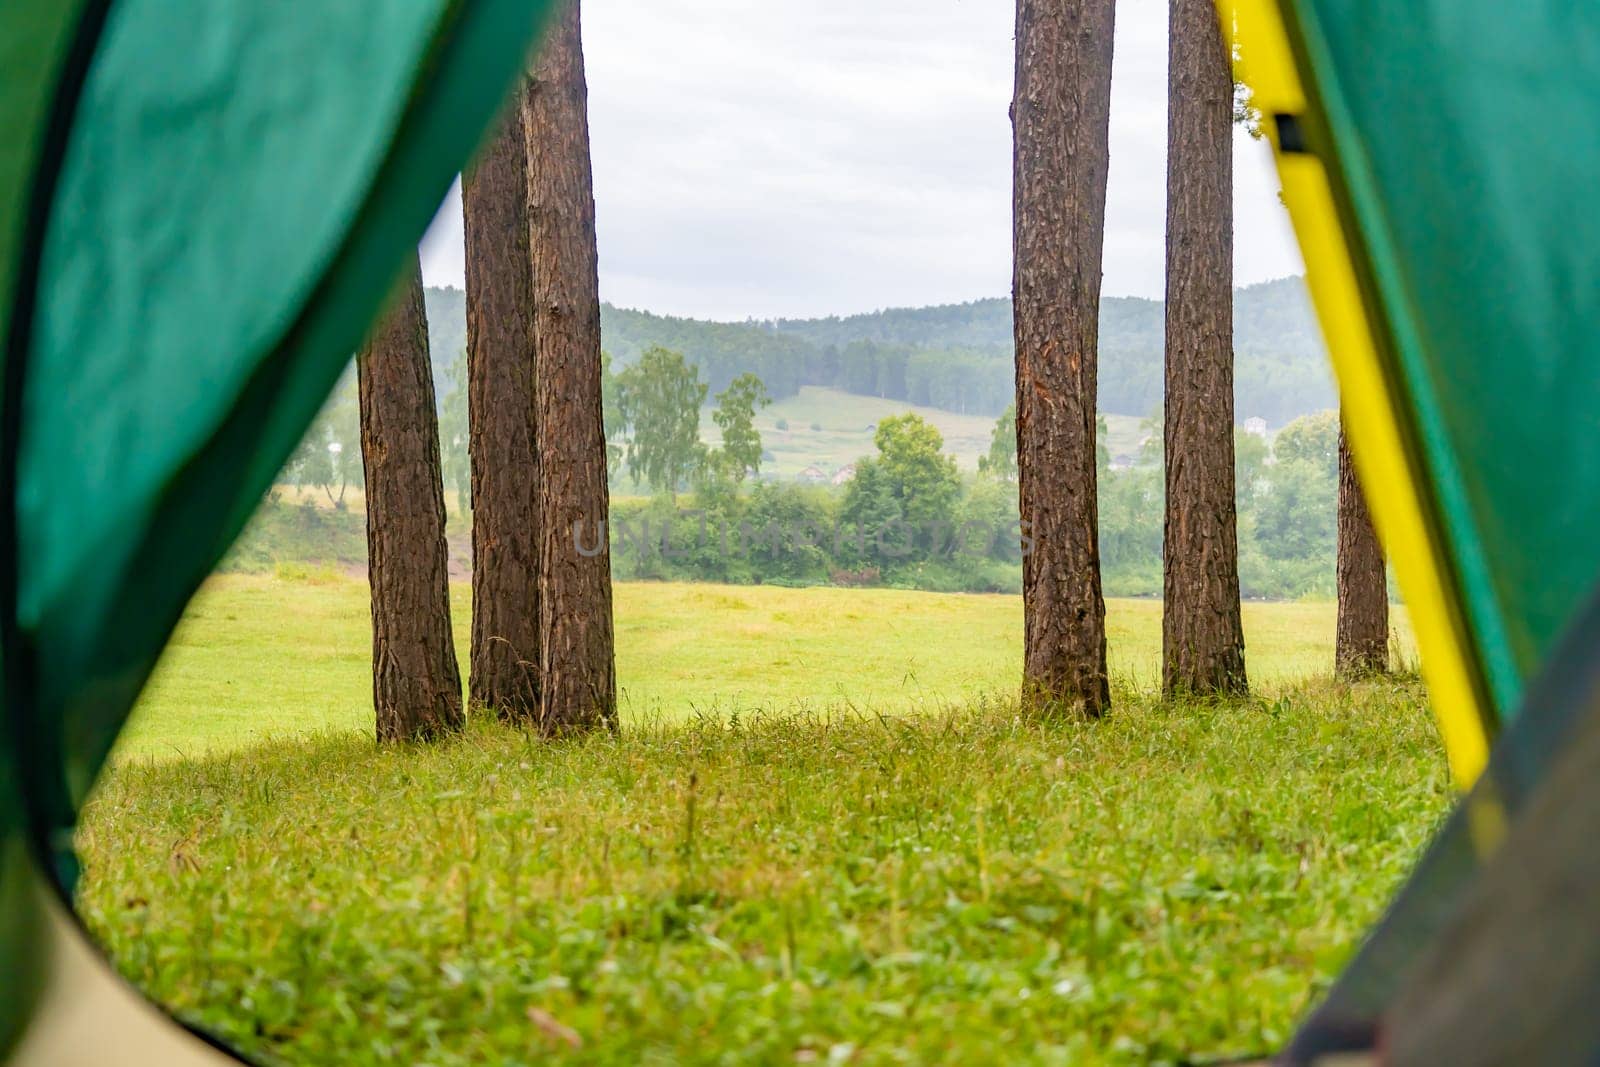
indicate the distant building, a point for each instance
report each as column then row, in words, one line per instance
column 1256, row 425
column 844, row 474
column 1124, row 461
column 813, row 475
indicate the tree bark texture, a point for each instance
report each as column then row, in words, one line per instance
column 1202, row 638
column 416, row 684
column 1060, row 123
column 576, row 643
column 500, row 419
column 1362, row 646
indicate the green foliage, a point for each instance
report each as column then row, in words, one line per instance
column 447, row 332
column 1001, row 462
column 1168, row 885
column 959, row 357
column 659, row 398
column 735, row 416
column 722, row 351
column 1246, row 114
column 282, row 534
column 329, row 456
column 1131, row 519
column 788, row 532
column 455, row 436
column 612, row 418
column 900, row 506
column 871, row 515
column 1287, row 498
column 990, row 508
column 1312, row 439
column 1297, row 490
column 611, row 411
column 1250, row 454
column 922, row 479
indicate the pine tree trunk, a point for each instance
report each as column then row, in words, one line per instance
column 1202, row 639
column 1060, row 122
column 500, row 419
column 1363, row 635
column 416, row 685
column 575, row 640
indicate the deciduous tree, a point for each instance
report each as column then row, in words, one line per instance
column 329, row 456
column 1001, row 459
column 1312, row 439
column 735, row 416
column 660, row 398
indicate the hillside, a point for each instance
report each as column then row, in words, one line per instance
column 828, row 429
column 957, row 357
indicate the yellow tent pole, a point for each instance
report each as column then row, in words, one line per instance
column 1374, row 421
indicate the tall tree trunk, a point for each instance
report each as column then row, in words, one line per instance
column 1363, row 635
column 1202, row 639
column 575, row 639
column 500, row 419
column 1060, row 122
column 416, row 685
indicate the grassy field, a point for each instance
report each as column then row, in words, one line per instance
column 827, row 428
column 259, row 658
column 824, row 836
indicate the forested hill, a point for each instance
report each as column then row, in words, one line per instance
column 958, row 356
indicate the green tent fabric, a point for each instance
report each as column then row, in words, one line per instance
column 1457, row 139
column 1561, row 705
column 1459, row 135
column 202, row 206
column 34, row 42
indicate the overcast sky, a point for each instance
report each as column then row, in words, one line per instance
column 762, row 160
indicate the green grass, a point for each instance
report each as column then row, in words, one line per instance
column 823, row 835
column 260, row 658
column 843, row 437
column 961, row 888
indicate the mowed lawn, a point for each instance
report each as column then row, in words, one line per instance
column 264, row 658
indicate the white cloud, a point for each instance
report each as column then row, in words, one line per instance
column 765, row 160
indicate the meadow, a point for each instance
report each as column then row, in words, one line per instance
column 259, row 658
column 829, row 428
column 824, row 834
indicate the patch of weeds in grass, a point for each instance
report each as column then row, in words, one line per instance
column 306, row 573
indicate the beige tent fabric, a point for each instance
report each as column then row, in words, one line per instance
column 90, row 1017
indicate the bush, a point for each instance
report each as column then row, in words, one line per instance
column 791, row 530
column 305, row 533
column 305, row 573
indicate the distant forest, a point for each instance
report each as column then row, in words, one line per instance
column 958, row 356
